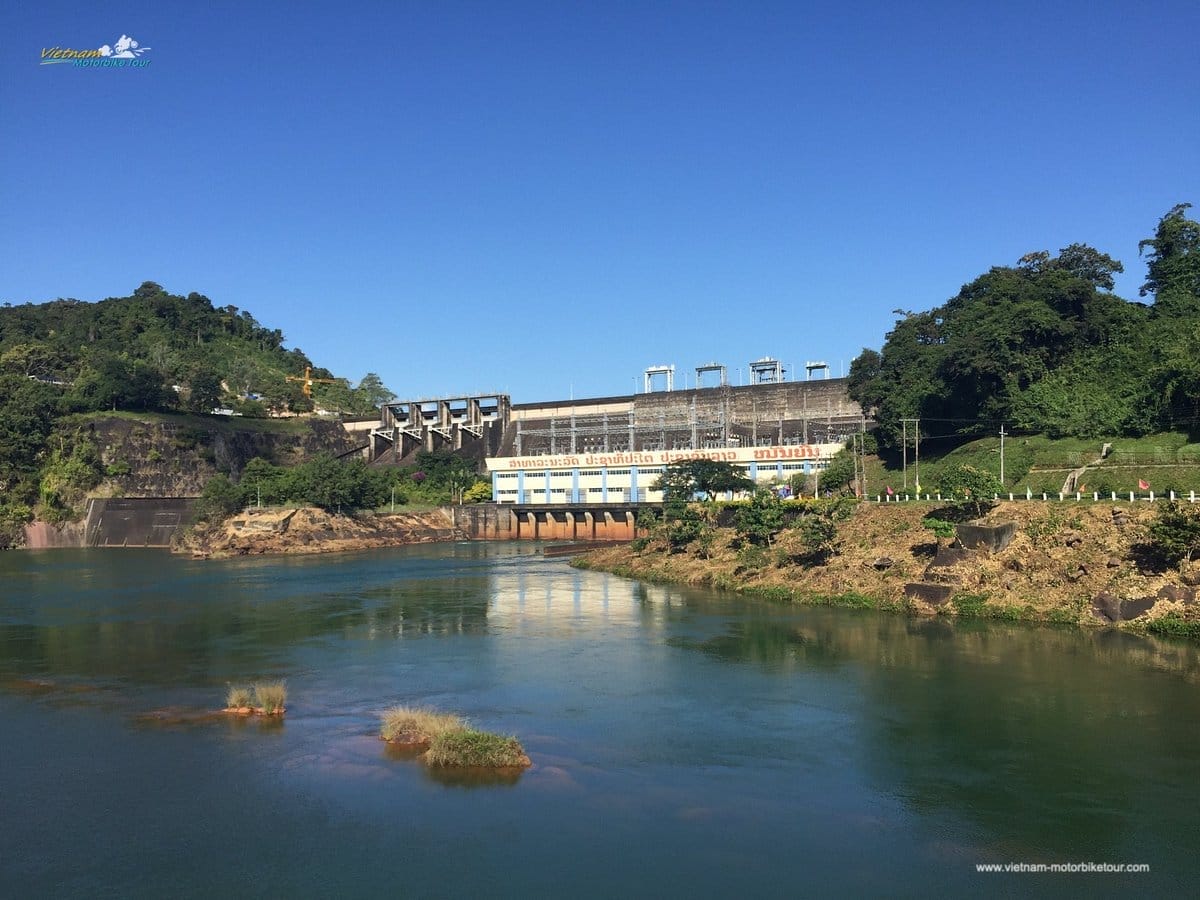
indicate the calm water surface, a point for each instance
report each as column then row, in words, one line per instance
column 685, row 743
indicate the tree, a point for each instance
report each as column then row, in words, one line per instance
column 761, row 519
column 684, row 479
column 1175, row 534
column 1090, row 264
column 1174, row 258
column 970, row 486
column 479, row 492
column 371, row 394
column 205, row 392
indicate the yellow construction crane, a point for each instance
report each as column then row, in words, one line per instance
column 306, row 387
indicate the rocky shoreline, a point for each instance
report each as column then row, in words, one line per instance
column 1064, row 563
column 256, row 532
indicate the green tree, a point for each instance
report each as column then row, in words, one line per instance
column 370, row 394
column 1173, row 259
column 1175, row 533
column 761, row 519
column 205, row 392
column 686, row 478
column 970, row 486
column 479, row 492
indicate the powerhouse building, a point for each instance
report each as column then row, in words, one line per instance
column 610, row 450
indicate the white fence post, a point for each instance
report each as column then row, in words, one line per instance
column 1095, row 496
column 1010, row 496
column 1114, row 496
column 1152, row 496
column 1131, row 496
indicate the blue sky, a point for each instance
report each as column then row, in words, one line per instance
column 546, row 198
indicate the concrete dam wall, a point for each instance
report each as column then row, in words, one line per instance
column 123, row 522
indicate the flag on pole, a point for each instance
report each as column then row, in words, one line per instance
column 890, row 491
column 1143, row 485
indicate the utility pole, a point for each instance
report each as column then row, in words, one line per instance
column 862, row 426
column 1002, row 454
column 916, row 423
column 917, row 454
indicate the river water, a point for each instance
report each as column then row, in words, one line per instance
column 685, row 742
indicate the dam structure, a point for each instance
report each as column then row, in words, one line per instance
column 608, row 451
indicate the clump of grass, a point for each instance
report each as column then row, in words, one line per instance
column 416, row 724
column 270, row 696
column 238, row 697
column 467, row 747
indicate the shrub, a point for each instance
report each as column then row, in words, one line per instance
column 238, row 697
column 969, row 606
column 270, row 696
column 940, row 527
column 1175, row 534
column 1175, row 625
column 416, row 723
column 817, row 535
column 761, row 519
column 468, row 747
column 972, row 487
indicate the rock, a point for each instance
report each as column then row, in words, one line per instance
column 1120, row 517
column 1106, row 606
column 1016, row 564
column 951, row 565
column 882, row 563
column 1131, row 609
column 1113, row 562
column 933, row 594
column 991, row 538
column 1177, row 594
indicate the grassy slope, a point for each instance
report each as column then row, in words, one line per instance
column 1166, row 461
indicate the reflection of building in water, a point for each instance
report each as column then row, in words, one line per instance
column 549, row 597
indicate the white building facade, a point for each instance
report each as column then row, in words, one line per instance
column 626, row 477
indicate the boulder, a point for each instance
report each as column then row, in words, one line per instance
column 1110, row 608
column 991, row 538
column 951, row 565
column 1177, row 594
column 933, row 594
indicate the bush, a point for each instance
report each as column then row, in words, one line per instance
column 970, row 486
column 1175, row 625
column 468, row 747
column 238, row 697
column 1175, row 534
column 969, row 606
column 416, row 724
column 940, row 527
column 220, row 498
column 761, row 519
column 270, row 696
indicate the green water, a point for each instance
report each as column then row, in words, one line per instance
column 686, row 743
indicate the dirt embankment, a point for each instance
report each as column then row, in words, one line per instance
column 309, row 530
column 1077, row 563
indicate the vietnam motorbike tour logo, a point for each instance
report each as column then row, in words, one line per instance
column 125, row 53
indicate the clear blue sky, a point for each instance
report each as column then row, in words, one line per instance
column 542, row 198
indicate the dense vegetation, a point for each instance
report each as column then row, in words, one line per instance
column 437, row 477
column 154, row 350
column 148, row 351
column 1046, row 347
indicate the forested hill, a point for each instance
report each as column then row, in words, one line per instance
column 1045, row 346
column 154, row 350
